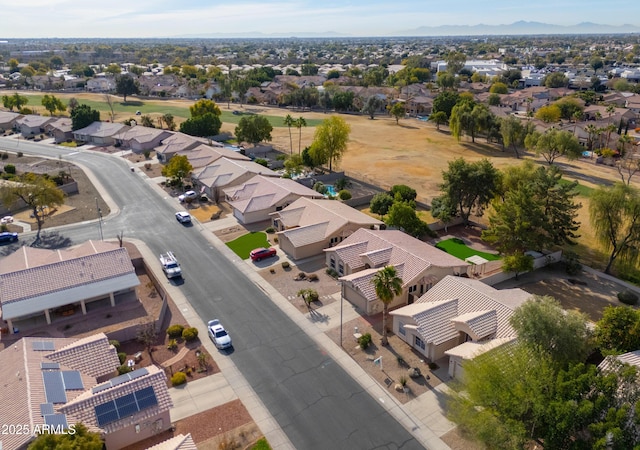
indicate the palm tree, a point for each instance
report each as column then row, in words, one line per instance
column 388, row 285
column 299, row 123
column 610, row 110
column 289, row 122
column 592, row 132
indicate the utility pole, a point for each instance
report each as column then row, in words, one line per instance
column 99, row 219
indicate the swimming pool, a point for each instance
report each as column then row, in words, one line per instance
column 331, row 190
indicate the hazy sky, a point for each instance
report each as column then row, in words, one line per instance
column 169, row 18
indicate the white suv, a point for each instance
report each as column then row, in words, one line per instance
column 188, row 195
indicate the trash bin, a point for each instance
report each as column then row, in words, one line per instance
column 133, row 169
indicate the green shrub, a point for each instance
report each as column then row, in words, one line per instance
column 146, row 154
column 115, row 343
column 4, row 227
column 364, row 341
column 122, row 356
column 175, row 331
column 172, row 345
column 124, row 369
column 628, row 297
column 332, row 273
column 178, row 379
column 571, row 263
column 10, row 168
column 320, row 187
column 285, row 264
column 190, row 334
column 433, row 366
column 344, row 195
column 261, row 161
column 270, row 230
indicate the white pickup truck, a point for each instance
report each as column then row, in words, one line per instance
column 170, row 265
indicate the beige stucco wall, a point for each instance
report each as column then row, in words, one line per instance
column 128, row 435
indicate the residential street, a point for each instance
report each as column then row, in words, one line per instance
column 315, row 402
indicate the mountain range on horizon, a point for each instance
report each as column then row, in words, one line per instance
column 521, row 27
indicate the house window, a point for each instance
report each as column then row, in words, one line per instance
column 333, row 263
column 401, row 329
column 413, row 288
column 341, row 268
column 419, row 343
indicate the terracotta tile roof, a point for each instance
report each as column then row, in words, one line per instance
column 179, row 442
column 379, row 248
column 224, row 172
column 332, row 212
column 456, row 300
column 631, row 358
column 33, row 120
column 480, row 324
column 142, row 134
column 363, row 281
column 269, row 190
column 203, row 155
column 62, row 124
column 23, row 383
column 308, row 234
column 179, row 142
column 82, row 407
column 8, row 116
column 71, row 269
column 103, row 358
column 417, row 255
column 103, row 129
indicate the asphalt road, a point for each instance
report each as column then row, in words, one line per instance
column 315, row 402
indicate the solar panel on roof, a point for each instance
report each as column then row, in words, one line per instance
column 54, row 387
column 72, row 380
column 120, row 379
column 49, row 365
column 106, row 413
column 46, row 408
column 146, row 398
column 125, row 406
column 43, row 345
column 56, row 420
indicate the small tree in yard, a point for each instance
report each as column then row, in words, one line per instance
column 308, row 295
column 388, row 285
column 147, row 335
column 397, row 111
column 177, row 168
column 36, row 192
column 253, row 129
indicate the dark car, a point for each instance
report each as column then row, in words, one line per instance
column 261, row 253
column 8, row 237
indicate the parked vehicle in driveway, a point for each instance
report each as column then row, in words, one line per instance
column 218, row 334
column 261, row 253
column 8, row 237
column 191, row 195
column 183, row 217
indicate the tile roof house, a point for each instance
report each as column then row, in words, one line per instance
column 178, row 142
column 126, row 409
column 255, row 199
column 40, row 375
column 223, row 173
column 204, row 154
column 60, row 129
column 360, row 256
column 101, row 133
column 455, row 311
column 308, row 226
column 139, row 138
column 179, row 442
column 35, row 281
column 8, row 119
column 32, row 124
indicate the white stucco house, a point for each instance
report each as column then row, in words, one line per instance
column 459, row 318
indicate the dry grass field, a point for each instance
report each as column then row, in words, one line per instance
column 411, row 152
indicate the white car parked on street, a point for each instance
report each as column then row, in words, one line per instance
column 218, row 334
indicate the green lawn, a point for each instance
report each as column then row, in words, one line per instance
column 134, row 104
column 581, row 189
column 455, row 247
column 244, row 244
